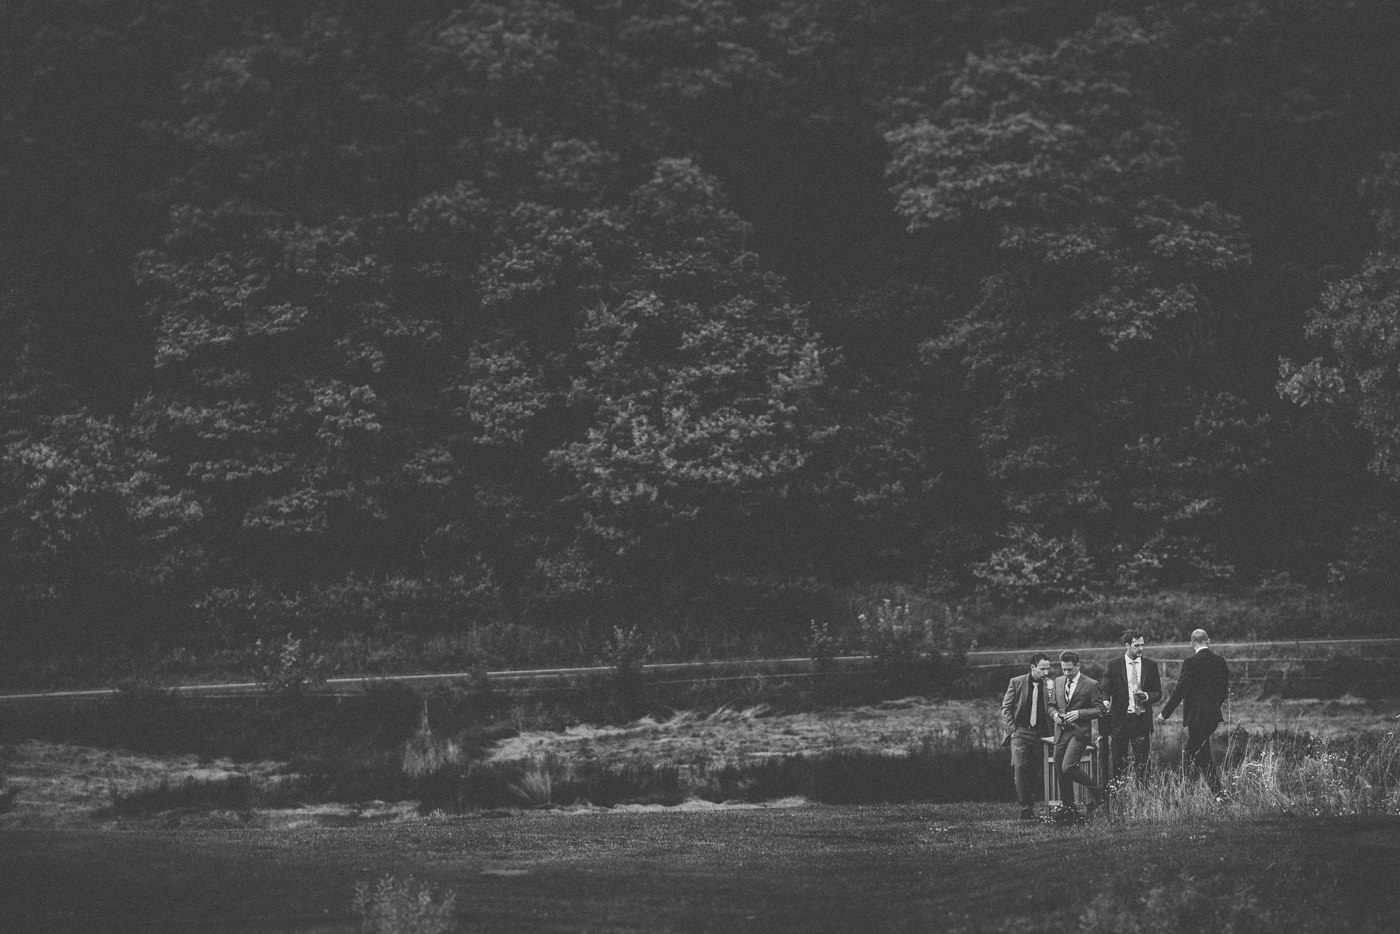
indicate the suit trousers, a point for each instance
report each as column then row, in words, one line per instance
column 1025, row 766
column 1197, row 751
column 1132, row 741
column 1070, row 748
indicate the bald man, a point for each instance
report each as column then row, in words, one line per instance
column 1202, row 688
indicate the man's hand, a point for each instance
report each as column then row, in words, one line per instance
column 1071, row 716
column 1161, row 718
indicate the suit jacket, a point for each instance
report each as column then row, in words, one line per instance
column 1115, row 688
column 1087, row 699
column 1202, row 688
column 1012, row 701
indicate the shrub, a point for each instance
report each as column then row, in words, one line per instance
column 903, row 648
column 287, row 668
column 822, row 646
column 627, row 652
column 403, row 906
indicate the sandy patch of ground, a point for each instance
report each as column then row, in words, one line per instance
column 736, row 736
column 733, row 736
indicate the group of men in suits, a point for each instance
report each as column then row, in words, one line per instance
column 1039, row 705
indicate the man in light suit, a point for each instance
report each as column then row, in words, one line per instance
column 1131, row 686
column 1203, row 686
column 1075, row 703
column 1025, row 720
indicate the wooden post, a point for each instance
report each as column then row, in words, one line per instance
column 1089, row 762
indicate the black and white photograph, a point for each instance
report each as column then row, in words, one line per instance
column 683, row 466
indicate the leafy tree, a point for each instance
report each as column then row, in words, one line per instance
column 1087, row 351
column 1358, row 317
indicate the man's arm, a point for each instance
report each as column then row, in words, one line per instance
column 1008, row 712
column 1183, row 684
column 1152, row 681
column 1112, row 686
column 1098, row 704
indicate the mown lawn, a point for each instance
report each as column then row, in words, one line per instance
column 800, row 869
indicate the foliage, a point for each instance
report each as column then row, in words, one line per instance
column 905, row 650
column 1098, row 297
column 287, row 668
column 546, row 317
column 1033, row 569
column 395, row 905
column 1356, row 318
column 822, row 646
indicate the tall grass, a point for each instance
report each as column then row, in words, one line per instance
column 1286, row 773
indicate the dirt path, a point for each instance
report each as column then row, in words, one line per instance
column 812, row 869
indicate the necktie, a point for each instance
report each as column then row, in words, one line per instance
column 1069, row 690
column 1035, row 697
column 1132, row 686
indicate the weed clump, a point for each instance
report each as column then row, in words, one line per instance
column 403, row 906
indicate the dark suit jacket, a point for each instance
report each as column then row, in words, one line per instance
column 1012, row 701
column 1087, row 699
column 1115, row 688
column 1202, row 688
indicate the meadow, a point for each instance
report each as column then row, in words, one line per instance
column 833, row 820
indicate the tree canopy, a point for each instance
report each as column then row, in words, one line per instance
column 571, row 313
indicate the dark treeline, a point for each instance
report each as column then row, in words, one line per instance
column 568, row 314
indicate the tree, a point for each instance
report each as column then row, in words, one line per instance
column 1358, row 317
column 1087, row 354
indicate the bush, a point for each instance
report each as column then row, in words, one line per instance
column 287, row 668
column 903, row 648
column 403, row 906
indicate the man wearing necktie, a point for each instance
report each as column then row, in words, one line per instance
column 1075, row 703
column 1025, row 720
column 1133, row 684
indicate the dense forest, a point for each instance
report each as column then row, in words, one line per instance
column 561, row 314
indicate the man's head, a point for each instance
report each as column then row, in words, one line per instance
column 1199, row 639
column 1040, row 666
column 1133, row 642
column 1069, row 664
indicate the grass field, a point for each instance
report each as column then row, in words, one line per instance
column 72, row 862
column 799, row 869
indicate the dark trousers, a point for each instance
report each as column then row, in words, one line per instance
column 1132, row 743
column 1025, row 767
column 1069, row 748
column 1198, row 753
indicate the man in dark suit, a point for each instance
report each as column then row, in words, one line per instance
column 1075, row 703
column 1202, row 688
column 1133, row 684
column 1025, row 720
